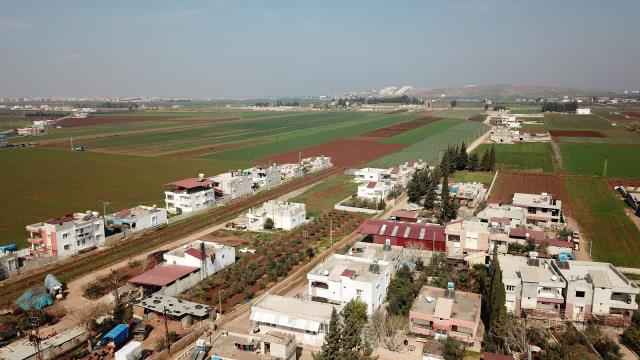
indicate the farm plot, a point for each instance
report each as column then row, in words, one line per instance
column 575, row 122
column 462, row 114
column 589, row 159
column 416, row 135
column 400, row 128
column 576, row 133
column 473, row 176
column 528, row 156
column 321, row 197
column 602, row 220
column 429, row 148
column 116, row 119
column 509, row 182
column 39, row 184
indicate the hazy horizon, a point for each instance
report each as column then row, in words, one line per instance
column 259, row 49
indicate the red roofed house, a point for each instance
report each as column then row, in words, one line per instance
column 427, row 237
column 404, row 215
column 215, row 258
column 169, row 280
column 374, row 190
column 188, row 195
column 139, row 218
column 555, row 246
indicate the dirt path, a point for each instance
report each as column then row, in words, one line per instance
column 557, row 156
column 481, row 139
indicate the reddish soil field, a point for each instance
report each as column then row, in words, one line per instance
column 210, row 149
column 346, row 152
column 576, row 133
column 111, row 120
column 635, row 114
column 225, row 240
column 623, row 182
column 509, row 183
column 400, row 128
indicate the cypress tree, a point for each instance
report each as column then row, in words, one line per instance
column 414, row 189
column 462, row 157
column 332, row 340
column 495, row 302
column 448, row 209
column 354, row 316
column 430, row 196
column 492, row 158
column 485, row 163
column 473, row 162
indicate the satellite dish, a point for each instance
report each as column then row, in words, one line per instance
column 429, row 299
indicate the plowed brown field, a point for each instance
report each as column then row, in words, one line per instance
column 576, row 133
column 401, row 127
column 113, row 120
column 509, row 183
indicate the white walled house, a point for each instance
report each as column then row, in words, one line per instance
column 373, row 190
column 542, row 209
column 342, row 278
column 366, row 175
column 583, row 111
column 215, row 258
column 188, row 195
column 264, row 176
column 233, row 184
column 316, row 163
column 67, row 235
column 139, row 218
column 285, row 215
column 290, row 171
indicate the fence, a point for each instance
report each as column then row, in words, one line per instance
column 182, row 343
column 354, row 209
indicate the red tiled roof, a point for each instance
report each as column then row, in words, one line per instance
column 399, row 228
column 163, row 275
column 498, row 219
column 191, row 183
column 395, row 170
column 410, row 164
column 520, row 232
column 404, row 214
column 554, row 242
column 371, row 184
column 348, row 273
column 493, row 356
column 497, row 202
column 195, row 253
column 61, row 220
column 122, row 213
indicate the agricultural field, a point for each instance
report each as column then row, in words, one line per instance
column 462, row 114
column 589, row 159
column 416, row 135
column 473, row 176
column 430, row 147
column 38, row 184
column 510, row 182
column 575, row 122
column 537, row 157
column 321, row 197
column 600, row 214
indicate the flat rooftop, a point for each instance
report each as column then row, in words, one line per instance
column 536, row 200
column 502, row 211
column 226, row 346
column 135, row 212
column 528, row 270
column 446, row 304
column 372, row 251
column 336, row 266
column 193, row 249
column 175, row 307
column 597, row 273
column 298, row 308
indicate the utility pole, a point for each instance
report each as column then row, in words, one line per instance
column 331, row 229
column 104, row 208
column 71, row 142
column 166, row 329
column 35, row 335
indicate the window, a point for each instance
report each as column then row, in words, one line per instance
column 65, row 235
column 67, row 247
column 510, row 288
column 359, row 293
column 580, row 294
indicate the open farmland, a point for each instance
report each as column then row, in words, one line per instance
column 429, row 148
column 416, row 135
column 510, row 182
column 529, row 156
column 321, row 197
column 39, row 184
column 589, row 159
column 600, row 214
column 473, row 176
column 456, row 113
column 556, row 121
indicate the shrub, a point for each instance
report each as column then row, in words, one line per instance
column 93, row 291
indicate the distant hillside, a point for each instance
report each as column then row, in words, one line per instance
column 505, row 92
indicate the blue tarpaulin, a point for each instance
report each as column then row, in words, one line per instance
column 34, row 299
column 119, row 335
column 7, row 248
column 51, row 282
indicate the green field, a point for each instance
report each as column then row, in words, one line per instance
column 462, row 114
column 600, row 214
column 473, row 176
column 419, row 134
column 39, row 184
column 589, row 159
column 321, row 197
column 429, row 148
column 529, row 156
column 575, row 122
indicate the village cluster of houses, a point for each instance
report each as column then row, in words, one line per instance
column 377, row 183
column 508, row 129
column 39, row 127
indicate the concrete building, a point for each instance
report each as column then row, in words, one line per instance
column 188, row 195
column 342, row 278
column 290, row 171
column 378, row 252
column 413, row 235
column 274, row 345
column 524, row 235
column 233, row 184
column 597, row 290
column 307, row 320
column 508, row 135
column 285, row 215
column 9, row 264
column 264, row 177
column 506, row 214
column 469, row 194
column 139, row 218
column 367, row 175
column 168, row 280
column 374, row 190
column 67, row 235
column 442, row 313
column 583, row 111
column 465, row 237
column 404, row 215
column 508, row 121
column 316, row 163
column 532, row 285
column 215, row 258
column 542, row 210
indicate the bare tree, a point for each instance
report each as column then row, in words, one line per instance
column 414, row 250
column 394, row 332
column 515, row 336
column 374, row 329
column 86, row 317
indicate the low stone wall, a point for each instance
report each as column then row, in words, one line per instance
column 354, row 209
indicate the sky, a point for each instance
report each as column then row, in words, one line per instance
column 251, row 49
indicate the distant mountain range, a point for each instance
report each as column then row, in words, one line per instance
column 506, row 92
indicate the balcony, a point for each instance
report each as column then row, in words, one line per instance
column 36, row 240
column 626, row 305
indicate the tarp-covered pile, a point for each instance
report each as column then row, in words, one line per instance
column 34, row 299
column 52, row 283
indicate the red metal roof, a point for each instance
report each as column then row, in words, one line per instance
column 191, row 183
column 195, row 253
column 404, row 214
column 403, row 230
column 410, row 164
column 348, row 273
column 371, row 184
column 122, row 213
column 61, row 220
column 497, row 219
column 163, row 275
column 521, row 232
column 395, row 170
column 493, row 356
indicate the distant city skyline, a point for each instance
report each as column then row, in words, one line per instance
column 259, row 49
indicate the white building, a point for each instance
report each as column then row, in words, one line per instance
column 469, row 194
column 285, row 215
column 366, row 175
column 542, row 209
column 583, row 111
column 509, row 121
column 342, row 278
column 264, row 176
column 316, row 163
column 498, row 213
column 373, row 190
column 291, row 171
column 233, row 184
column 215, row 258
column 188, row 195
column 139, row 218
column 67, row 235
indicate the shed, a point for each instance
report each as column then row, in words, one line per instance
column 118, row 335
